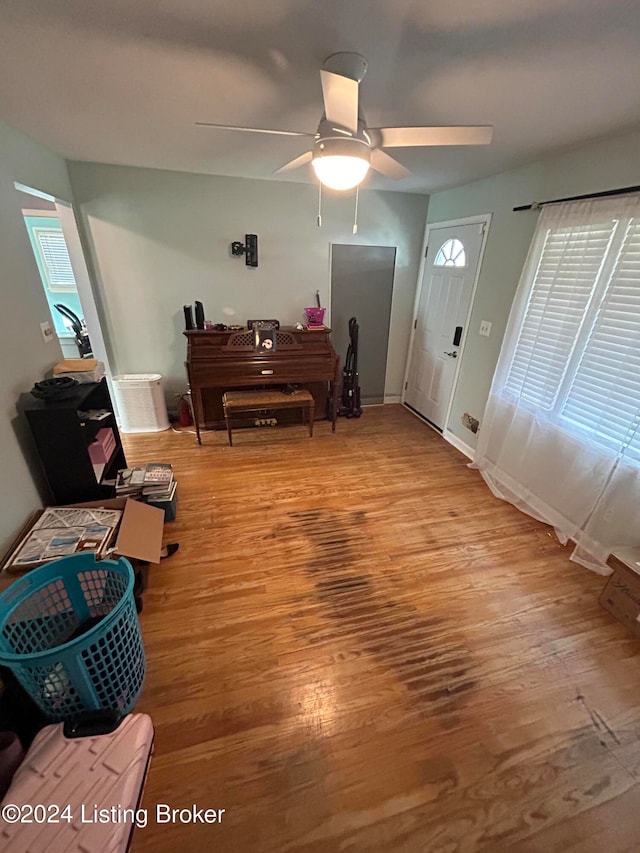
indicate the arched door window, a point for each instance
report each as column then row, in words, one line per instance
column 451, row 254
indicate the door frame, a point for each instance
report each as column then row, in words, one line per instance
column 480, row 219
column 65, row 213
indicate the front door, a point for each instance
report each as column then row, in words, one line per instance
column 440, row 325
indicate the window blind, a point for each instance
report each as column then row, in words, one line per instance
column 604, row 396
column 55, row 256
column 571, row 259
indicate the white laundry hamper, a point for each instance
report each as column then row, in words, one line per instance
column 141, row 403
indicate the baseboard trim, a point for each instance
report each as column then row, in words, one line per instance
column 392, row 398
column 459, row 444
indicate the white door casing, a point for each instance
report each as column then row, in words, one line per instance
column 85, row 290
column 443, row 305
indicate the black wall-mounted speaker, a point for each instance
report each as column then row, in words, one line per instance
column 251, row 250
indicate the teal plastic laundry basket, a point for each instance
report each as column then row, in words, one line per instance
column 69, row 631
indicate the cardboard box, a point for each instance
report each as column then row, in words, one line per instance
column 621, row 595
column 139, row 534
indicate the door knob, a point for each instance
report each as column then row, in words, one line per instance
column 453, row 354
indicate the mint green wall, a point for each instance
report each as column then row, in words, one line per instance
column 599, row 166
column 24, row 355
column 162, row 239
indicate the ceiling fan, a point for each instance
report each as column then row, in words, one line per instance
column 344, row 147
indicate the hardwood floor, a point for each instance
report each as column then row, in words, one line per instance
column 358, row 648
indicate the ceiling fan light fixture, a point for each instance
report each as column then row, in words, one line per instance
column 340, row 173
column 340, row 164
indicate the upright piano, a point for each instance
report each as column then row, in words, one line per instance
column 227, row 361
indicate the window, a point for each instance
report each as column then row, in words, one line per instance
column 577, row 352
column 55, row 259
column 451, row 254
column 54, row 266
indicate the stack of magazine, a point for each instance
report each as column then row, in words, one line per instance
column 129, row 483
column 159, row 485
column 153, row 483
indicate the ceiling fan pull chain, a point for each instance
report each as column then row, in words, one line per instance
column 319, row 219
column 355, row 215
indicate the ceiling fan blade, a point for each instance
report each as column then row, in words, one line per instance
column 405, row 137
column 253, row 129
column 340, row 96
column 382, row 162
column 293, row 164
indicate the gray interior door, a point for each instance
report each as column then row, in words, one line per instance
column 361, row 287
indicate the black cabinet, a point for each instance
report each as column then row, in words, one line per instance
column 62, row 430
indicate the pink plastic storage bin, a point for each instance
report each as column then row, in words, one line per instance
column 101, row 449
column 315, row 316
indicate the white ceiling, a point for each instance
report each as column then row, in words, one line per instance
column 123, row 81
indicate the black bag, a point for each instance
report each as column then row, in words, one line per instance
column 54, row 389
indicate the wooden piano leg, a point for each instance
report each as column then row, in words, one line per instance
column 311, row 407
column 197, row 409
column 196, row 404
column 332, row 404
column 335, row 386
column 227, row 419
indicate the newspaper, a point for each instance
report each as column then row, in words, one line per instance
column 62, row 531
column 47, row 543
column 77, row 517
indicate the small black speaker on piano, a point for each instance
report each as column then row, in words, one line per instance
column 199, row 315
column 188, row 317
column 274, row 323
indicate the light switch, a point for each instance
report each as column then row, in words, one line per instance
column 485, row 328
column 47, row 332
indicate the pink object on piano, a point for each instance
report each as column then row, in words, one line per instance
column 315, row 317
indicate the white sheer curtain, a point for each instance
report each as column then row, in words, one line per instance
column 560, row 437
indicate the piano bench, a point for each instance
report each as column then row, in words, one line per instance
column 255, row 401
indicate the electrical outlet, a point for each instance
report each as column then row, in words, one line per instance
column 47, row 332
column 485, row 328
column 470, row 422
